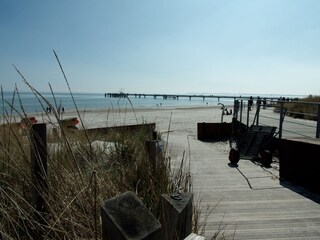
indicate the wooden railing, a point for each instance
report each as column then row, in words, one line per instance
column 288, row 126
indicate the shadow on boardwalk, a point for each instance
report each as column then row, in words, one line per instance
column 301, row 190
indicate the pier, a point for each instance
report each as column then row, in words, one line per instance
column 178, row 96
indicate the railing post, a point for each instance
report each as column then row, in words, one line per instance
column 235, row 109
column 281, row 119
column 318, row 123
column 258, row 113
column 241, row 108
column 248, row 111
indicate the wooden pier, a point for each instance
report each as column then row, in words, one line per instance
column 178, row 96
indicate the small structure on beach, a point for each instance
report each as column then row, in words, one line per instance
column 70, row 123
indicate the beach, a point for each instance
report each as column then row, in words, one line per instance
column 179, row 121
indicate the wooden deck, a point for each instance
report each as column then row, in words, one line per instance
column 250, row 202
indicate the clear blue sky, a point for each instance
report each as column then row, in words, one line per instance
column 163, row 46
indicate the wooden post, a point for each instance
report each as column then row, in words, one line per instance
column 281, row 118
column 258, row 113
column 154, row 135
column 248, row 114
column 241, row 108
column 38, row 154
column 318, row 123
column 126, row 217
column 39, row 165
column 153, row 153
column 177, row 215
column 235, row 109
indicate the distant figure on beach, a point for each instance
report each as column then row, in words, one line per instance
column 62, row 109
column 59, row 110
column 250, row 103
column 226, row 112
column 48, row 109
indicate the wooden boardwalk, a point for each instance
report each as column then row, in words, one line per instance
column 250, row 202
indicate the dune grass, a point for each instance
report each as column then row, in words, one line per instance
column 82, row 172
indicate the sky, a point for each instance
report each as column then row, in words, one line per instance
column 162, row 46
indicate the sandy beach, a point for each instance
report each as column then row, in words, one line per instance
column 182, row 121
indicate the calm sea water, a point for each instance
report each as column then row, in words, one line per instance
column 94, row 101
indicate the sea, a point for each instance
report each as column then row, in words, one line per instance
column 28, row 102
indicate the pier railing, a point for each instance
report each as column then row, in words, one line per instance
column 304, row 121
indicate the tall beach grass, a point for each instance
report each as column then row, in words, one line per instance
column 83, row 171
